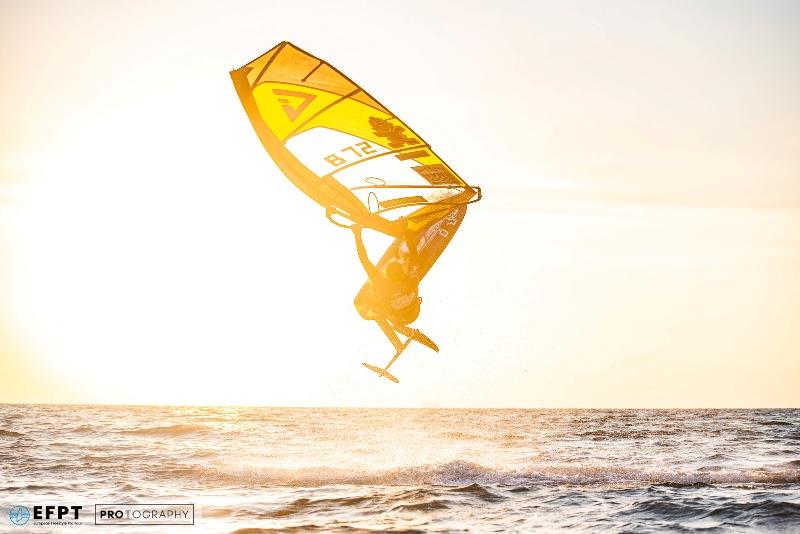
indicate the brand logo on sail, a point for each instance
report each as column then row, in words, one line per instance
column 293, row 112
column 393, row 132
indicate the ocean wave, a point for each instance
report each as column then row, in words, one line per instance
column 299, row 528
column 312, row 527
column 305, row 505
column 476, row 490
column 664, row 508
column 776, row 423
column 455, row 435
column 29, row 487
column 427, row 506
column 9, row 434
column 464, row 474
column 767, row 511
column 172, row 430
column 219, row 511
column 684, row 485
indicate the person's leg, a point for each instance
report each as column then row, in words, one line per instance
column 416, row 335
column 399, row 346
column 389, row 332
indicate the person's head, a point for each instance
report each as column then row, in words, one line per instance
column 403, row 253
column 395, row 271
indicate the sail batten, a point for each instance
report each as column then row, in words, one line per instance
column 396, row 152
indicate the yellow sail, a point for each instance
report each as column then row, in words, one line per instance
column 343, row 148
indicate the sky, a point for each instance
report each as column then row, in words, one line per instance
column 638, row 244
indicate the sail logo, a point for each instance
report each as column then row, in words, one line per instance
column 393, row 132
column 293, row 112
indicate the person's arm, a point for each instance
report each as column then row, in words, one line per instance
column 372, row 271
column 410, row 238
column 411, row 243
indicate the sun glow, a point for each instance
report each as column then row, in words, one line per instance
column 130, row 269
column 637, row 244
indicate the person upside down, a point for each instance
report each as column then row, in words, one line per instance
column 391, row 297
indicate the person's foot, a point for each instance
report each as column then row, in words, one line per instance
column 425, row 340
column 417, row 336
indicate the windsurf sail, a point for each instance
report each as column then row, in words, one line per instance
column 343, row 148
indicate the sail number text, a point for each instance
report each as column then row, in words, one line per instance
column 356, row 151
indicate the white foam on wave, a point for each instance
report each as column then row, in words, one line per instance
column 459, row 472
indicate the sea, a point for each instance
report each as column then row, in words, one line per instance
column 258, row 470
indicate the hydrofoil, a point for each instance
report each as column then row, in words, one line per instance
column 390, row 330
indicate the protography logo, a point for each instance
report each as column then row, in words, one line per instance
column 19, row 515
column 144, row 514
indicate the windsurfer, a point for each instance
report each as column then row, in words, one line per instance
column 392, row 290
column 391, row 297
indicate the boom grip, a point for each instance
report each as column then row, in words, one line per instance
column 330, row 211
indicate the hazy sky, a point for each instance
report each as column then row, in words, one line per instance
column 638, row 243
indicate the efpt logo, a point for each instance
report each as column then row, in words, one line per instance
column 45, row 515
column 19, row 515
